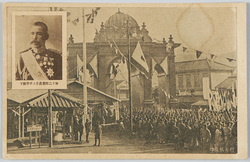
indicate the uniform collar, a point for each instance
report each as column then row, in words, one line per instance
column 41, row 50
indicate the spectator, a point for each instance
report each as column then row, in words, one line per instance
column 205, row 138
column 98, row 131
column 80, row 128
column 87, row 129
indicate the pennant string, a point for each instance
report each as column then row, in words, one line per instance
column 198, row 54
column 184, row 49
column 115, row 46
column 209, row 55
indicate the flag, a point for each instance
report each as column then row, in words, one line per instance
column 113, row 70
column 164, row 65
column 212, row 57
column 154, row 75
column 198, row 54
column 210, row 98
column 233, row 96
column 79, row 65
column 76, row 21
column 184, row 49
column 123, row 69
column 227, row 117
column 230, row 59
column 91, row 16
column 96, row 10
column 139, row 57
column 94, row 65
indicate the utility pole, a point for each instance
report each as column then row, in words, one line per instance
column 129, row 79
column 84, row 58
column 50, row 120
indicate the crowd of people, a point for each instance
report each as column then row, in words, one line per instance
column 188, row 129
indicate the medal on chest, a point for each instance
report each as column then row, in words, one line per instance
column 46, row 63
column 50, row 72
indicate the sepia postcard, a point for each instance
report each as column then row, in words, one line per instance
column 124, row 81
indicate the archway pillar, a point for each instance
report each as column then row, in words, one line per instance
column 163, row 90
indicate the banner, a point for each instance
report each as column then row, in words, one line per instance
column 206, row 89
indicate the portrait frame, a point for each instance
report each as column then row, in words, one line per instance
column 57, row 30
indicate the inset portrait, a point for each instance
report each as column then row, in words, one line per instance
column 39, row 50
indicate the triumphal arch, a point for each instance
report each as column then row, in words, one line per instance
column 110, row 45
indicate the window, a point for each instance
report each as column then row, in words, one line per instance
column 180, row 82
column 204, row 75
column 188, row 81
column 196, row 80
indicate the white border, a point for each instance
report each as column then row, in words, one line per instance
column 242, row 92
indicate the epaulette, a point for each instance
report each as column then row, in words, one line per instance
column 25, row 50
column 55, row 51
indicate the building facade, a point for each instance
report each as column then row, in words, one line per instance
column 189, row 79
column 113, row 33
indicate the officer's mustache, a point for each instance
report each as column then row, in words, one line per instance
column 35, row 42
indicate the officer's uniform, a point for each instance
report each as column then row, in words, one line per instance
column 50, row 61
column 98, row 131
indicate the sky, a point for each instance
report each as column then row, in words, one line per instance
column 210, row 30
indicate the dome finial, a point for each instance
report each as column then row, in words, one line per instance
column 143, row 25
column 102, row 25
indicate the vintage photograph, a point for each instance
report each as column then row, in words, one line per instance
column 143, row 81
column 38, row 50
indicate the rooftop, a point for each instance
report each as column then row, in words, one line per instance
column 201, row 64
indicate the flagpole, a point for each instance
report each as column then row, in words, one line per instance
column 50, row 120
column 129, row 80
column 84, row 58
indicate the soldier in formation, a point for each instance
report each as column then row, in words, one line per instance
column 190, row 130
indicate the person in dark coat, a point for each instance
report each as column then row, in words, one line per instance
column 212, row 129
column 205, row 138
column 98, row 131
column 80, row 126
column 234, row 138
column 148, row 131
column 161, row 131
column 182, row 129
column 76, row 128
column 87, row 128
column 175, row 133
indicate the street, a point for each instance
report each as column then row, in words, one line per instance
column 110, row 143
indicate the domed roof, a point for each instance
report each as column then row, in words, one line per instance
column 120, row 19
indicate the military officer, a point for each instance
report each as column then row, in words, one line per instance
column 38, row 62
